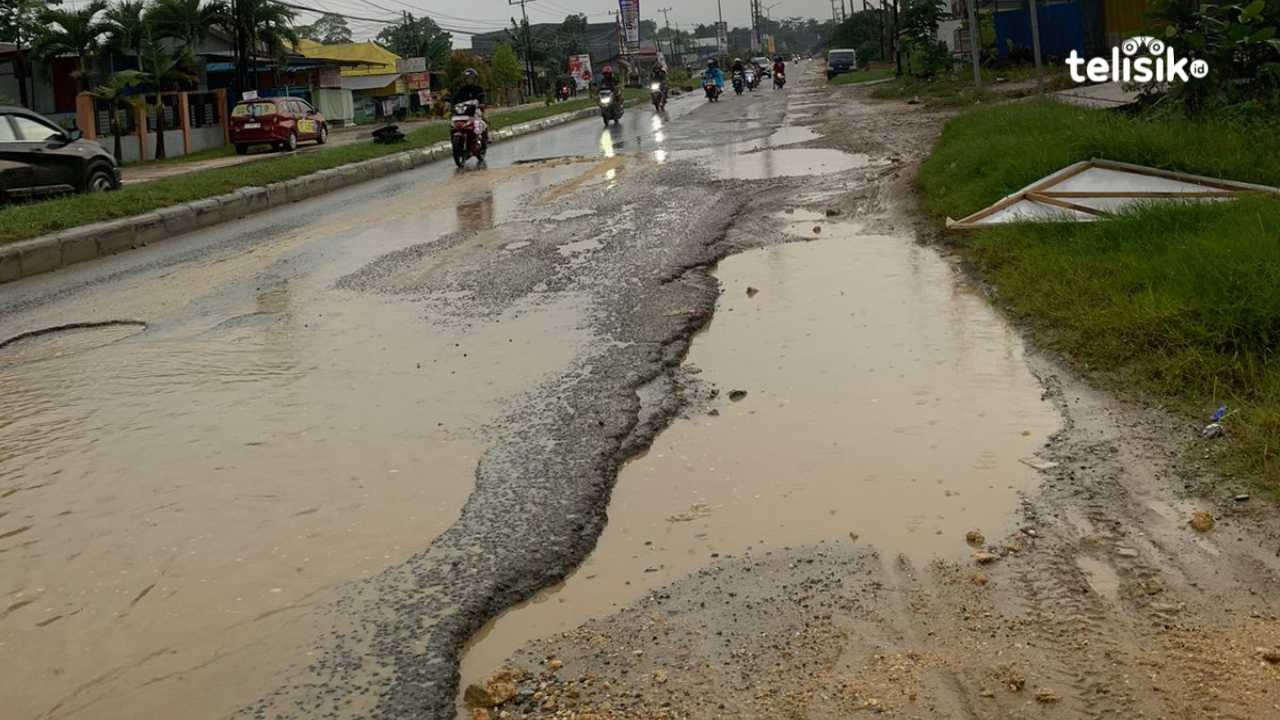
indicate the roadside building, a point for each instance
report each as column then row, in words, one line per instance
column 1089, row 27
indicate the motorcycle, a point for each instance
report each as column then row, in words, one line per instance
column 779, row 80
column 739, row 82
column 751, row 80
column 712, row 90
column 658, row 93
column 610, row 107
column 468, row 135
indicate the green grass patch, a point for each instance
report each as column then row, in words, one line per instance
column 24, row 221
column 862, row 76
column 956, row 89
column 1182, row 302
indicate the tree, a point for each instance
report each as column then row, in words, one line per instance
column 504, row 71
column 125, row 23
column 460, row 60
column 418, row 37
column 571, row 39
column 71, row 32
column 258, row 25
column 19, row 24
column 116, row 93
column 648, row 29
column 330, row 29
column 165, row 71
column 186, row 20
column 926, row 56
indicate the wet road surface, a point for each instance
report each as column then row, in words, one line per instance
column 329, row 443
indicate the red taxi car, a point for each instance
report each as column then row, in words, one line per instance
column 280, row 122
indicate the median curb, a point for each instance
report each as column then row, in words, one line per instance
column 87, row 242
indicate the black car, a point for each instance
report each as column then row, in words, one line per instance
column 38, row 158
column 840, row 62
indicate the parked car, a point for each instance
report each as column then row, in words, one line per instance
column 38, row 158
column 280, row 122
column 840, row 62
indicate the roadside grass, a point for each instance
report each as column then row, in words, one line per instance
column 24, row 221
column 1178, row 302
column 955, row 89
column 861, row 76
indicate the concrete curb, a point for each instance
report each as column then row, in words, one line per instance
column 87, row 242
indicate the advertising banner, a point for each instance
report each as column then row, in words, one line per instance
column 411, row 65
column 629, row 18
column 580, row 69
column 417, row 81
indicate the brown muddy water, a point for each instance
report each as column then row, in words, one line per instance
column 176, row 500
column 887, row 404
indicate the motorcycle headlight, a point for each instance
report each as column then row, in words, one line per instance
column 655, row 87
column 604, row 102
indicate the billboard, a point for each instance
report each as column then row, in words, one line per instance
column 411, row 65
column 629, row 19
column 580, row 69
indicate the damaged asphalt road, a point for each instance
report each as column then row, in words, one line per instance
column 328, row 383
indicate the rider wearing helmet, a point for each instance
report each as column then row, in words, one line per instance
column 738, row 66
column 608, row 81
column 779, row 67
column 471, row 89
column 713, row 73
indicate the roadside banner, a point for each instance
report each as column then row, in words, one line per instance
column 411, row 65
column 580, row 69
column 629, row 18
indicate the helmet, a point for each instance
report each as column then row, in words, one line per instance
column 737, row 60
column 608, row 70
column 470, row 74
column 778, row 59
column 713, row 63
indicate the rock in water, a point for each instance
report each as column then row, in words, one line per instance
column 975, row 538
column 491, row 692
column 752, row 292
column 1202, row 521
column 737, row 395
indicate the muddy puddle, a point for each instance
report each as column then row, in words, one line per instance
column 765, row 164
column 886, row 404
column 177, row 501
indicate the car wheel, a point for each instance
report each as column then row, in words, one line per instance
column 100, row 180
column 242, row 149
column 291, row 143
column 323, row 137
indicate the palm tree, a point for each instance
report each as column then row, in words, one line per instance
column 115, row 93
column 186, row 20
column 71, row 32
column 164, row 70
column 259, row 27
column 125, row 24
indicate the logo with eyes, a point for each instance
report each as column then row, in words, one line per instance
column 1131, row 46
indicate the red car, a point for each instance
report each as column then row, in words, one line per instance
column 279, row 122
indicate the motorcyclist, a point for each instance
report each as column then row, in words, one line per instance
column 779, row 67
column 738, row 66
column 469, row 90
column 610, row 82
column 714, row 74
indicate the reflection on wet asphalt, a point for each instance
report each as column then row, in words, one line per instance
column 311, row 399
column 884, row 400
column 174, row 499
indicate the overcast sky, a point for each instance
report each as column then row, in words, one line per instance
column 481, row 15
column 471, row 16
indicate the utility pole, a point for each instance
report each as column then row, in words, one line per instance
column 975, row 37
column 844, row 11
column 894, row 36
column 528, row 41
column 670, row 43
column 835, row 15
column 721, row 29
column 1035, row 46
